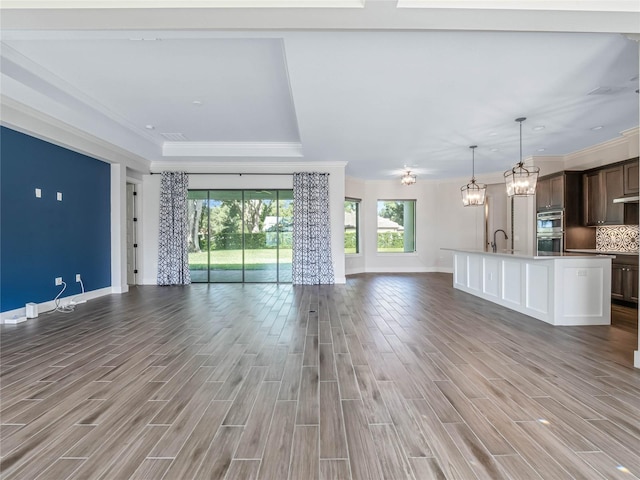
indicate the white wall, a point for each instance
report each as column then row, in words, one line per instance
column 441, row 222
column 151, row 204
column 457, row 226
column 354, row 188
column 369, row 260
column 423, row 259
column 118, row 228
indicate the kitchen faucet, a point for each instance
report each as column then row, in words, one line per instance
column 494, row 247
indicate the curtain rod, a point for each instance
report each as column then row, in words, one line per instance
column 239, row 174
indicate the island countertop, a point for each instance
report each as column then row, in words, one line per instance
column 593, row 251
column 574, row 255
column 560, row 289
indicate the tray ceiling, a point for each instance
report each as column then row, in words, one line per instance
column 376, row 99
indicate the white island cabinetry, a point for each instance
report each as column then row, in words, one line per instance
column 560, row 290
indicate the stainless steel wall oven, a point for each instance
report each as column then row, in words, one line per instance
column 550, row 231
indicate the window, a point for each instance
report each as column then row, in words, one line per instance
column 351, row 226
column 240, row 235
column 396, row 226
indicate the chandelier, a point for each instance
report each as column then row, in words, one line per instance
column 408, row 178
column 520, row 180
column 473, row 193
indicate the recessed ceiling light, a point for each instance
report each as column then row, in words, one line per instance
column 538, row 128
column 149, row 127
column 492, row 134
column 541, row 149
column 599, row 127
column 494, row 150
column 197, row 103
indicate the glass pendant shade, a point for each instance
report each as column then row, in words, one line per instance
column 408, row 178
column 521, row 181
column 473, row 193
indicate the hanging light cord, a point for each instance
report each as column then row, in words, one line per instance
column 521, row 164
column 473, row 164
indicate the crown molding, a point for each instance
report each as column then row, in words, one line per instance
column 630, row 132
column 215, row 167
column 603, row 146
column 232, row 149
column 129, row 4
column 556, row 5
column 24, row 119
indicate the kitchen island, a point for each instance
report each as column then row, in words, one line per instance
column 560, row 289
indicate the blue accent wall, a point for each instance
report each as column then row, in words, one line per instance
column 42, row 238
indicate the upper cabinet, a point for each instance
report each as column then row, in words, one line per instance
column 601, row 187
column 550, row 193
column 631, row 178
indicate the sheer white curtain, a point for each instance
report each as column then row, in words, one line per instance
column 312, row 262
column 173, row 259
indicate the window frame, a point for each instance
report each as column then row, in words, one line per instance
column 357, row 202
column 414, row 227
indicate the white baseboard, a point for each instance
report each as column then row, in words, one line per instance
column 14, row 316
column 636, row 359
column 401, row 270
column 355, row 271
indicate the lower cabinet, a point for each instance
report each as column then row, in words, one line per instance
column 624, row 281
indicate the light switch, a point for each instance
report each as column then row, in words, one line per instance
column 38, row 193
column 59, row 196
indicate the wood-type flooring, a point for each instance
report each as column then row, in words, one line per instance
column 386, row 377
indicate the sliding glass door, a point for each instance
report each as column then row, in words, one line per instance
column 240, row 235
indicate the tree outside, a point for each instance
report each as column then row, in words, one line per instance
column 222, row 226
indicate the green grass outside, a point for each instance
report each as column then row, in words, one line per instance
column 232, row 259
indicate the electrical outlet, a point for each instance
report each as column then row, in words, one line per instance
column 58, row 280
column 38, row 193
column 77, row 277
column 59, row 196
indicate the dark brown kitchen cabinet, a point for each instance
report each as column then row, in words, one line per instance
column 600, row 188
column 624, row 279
column 550, row 193
column 631, row 178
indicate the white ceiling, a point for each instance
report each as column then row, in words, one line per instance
column 377, row 99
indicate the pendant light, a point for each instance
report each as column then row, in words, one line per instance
column 408, row 178
column 473, row 194
column 520, row 180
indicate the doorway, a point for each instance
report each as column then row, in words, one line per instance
column 132, row 241
column 240, row 236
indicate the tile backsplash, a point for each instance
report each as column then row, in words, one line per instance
column 617, row 238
